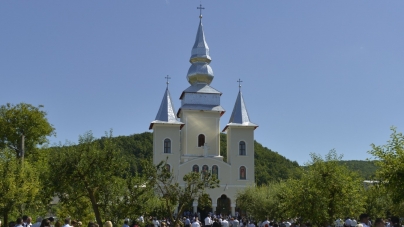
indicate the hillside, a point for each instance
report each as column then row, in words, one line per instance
column 366, row 169
column 269, row 165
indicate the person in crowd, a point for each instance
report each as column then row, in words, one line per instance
column 45, row 223
column 196, row 223
column 364, row 220
column 388, row 222
column 235, row 222
column 379, row 222
column 108, row 224
column 58, row 224
column 216, row 223
column 126, row 223
column 353, row 222
column 394, row 221
column 19, row 222
column 24, row 220
column 225, row 223
column 347, row 222
column 208, row 221
column 28, row 222
column 338, row 222
column 156, row 222
column 187, row 222
column 265, row 223
column 52, row 221
column 67, row 222
column 141, row 219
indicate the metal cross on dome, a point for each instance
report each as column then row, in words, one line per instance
column 167, row 77
column 239, row 83
column 200, row 10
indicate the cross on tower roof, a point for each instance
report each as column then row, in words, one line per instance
column 239, row 83
column 167, row 77
column 200, row 10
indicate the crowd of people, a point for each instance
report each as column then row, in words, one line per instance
column 27, row 221
column 211, row 220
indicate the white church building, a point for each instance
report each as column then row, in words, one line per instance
column 190, row 138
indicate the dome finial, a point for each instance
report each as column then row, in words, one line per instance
column 200, row 10
column 167, row 78
column 200, row 71
column 239, row 83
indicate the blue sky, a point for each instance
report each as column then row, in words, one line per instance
column 318, row 75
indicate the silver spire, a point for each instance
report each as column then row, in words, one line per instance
column 239, row 116
column 166, row 114
column 200, row 71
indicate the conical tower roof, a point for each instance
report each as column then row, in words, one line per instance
column 166, row 113
column 239, row 116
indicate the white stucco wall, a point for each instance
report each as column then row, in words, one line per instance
column 235, row 134
column 160, row 133
column 185, row 152
column 200, row 122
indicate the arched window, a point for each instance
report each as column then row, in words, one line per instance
column 201, row 140
column 243, row 173
column 241, row 148
column 205, row 169
column 167, row 146
column 168, row 167
column 195, row 168
column 215, row 171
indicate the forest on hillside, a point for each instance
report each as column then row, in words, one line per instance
column 270, row 166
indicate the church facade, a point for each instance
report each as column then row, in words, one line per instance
column 190, row 139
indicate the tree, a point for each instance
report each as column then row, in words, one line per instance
column 19, row 184
column 97, row 171
column 391, row 163
column 173, row 194
column 263, row 201
column 378, row 201
column 23, row 127
column 324, row 191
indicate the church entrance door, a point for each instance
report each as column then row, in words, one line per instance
column 223, row 205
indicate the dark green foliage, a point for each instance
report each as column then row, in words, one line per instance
column 366, row 169
column 23, row 121
column 140, row 145
column 271, row 166
column 391, row 163
column 223, row 146
column 137, row 147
